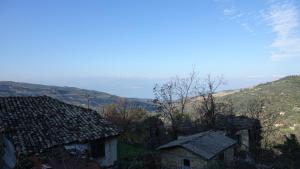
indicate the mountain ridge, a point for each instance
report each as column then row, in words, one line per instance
column 283, row 95
column 72, row 95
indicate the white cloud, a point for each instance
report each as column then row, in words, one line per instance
column 228, row 11
column 247, row 27
column 237, row 16
column 233, row 13
column 283, row 18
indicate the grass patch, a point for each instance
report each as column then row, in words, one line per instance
column 128, row 150
column 286, row 130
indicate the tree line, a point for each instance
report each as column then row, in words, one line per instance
column 188, row 105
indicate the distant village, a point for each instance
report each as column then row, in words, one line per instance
column 40, row 132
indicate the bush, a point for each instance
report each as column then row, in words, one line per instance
column 243, row 165
column 215, row 165
column 242, row 154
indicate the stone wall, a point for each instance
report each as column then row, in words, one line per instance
column 173, row 159
column 244, row 135
column 110, row 152
column 229, row 155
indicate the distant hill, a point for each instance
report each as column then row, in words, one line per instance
column 70, row 95
column 282, row 95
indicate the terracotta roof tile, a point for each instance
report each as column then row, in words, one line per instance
column 35, row 124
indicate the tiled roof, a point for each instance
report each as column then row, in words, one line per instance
column 35, row 124
column 206, row 144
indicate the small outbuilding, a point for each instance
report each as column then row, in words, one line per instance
column 39, row 125
column 197, row 151
column 245, row 130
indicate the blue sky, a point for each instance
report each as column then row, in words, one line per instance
column 124, row 47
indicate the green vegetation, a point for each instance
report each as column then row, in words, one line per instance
column 281, row 97
column 136, row 156
column 127, row 151
column 290, row 154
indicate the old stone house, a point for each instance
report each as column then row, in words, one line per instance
column 39, row 125
column 197, row 151
column 245, row 130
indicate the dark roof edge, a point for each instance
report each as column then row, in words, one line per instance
column 233, row 144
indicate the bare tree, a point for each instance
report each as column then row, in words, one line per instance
column 172, row 97
column 257, row 109
column 164, row 100
column 88, row 98
column 206, row 107
column 225, row 107
column 183, row 89
column 123, row 113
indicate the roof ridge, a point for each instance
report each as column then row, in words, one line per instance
column 207, row 144
column 27, row 96
column 196, row 137
column 204, row 134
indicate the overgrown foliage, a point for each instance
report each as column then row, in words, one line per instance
column 280, row 96
column 256, row 109
column 126, row 115
column 171, row 99
column 290, row 154
column 174, row 101
column 206, row 107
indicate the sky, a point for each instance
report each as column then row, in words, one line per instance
column 124, row 47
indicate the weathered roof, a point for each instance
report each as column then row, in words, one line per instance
column 238, row 122
column 35, row 124
column 206, row 144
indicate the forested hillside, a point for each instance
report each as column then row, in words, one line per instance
column 281, row 96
